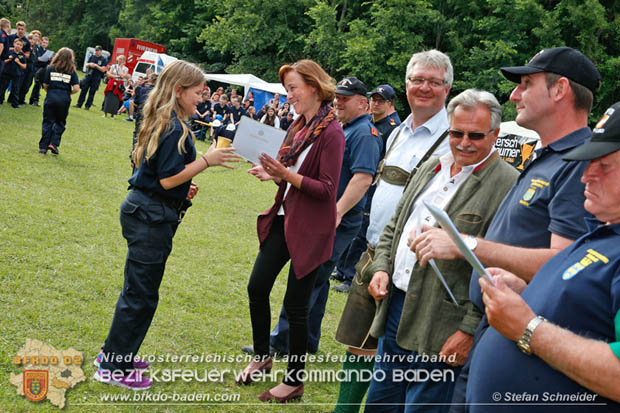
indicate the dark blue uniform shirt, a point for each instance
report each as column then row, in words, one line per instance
column 25, row 48
column 166, row 162
column 221, row 110
column 237, row 113
column 578, row 289
column 547, row 198
column 385, row 127
column 361, row 154
column 11, row 68
column 59, row 82
column 101, row 61
column 4, row 40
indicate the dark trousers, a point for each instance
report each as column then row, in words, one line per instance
column 15, row 82
column 351, row 256
column 36, row 89
column 318, row 299
column 272, row 256
column 27, row 77
column 148, row 226
column 90, row 85
column 460, row 388
column 55, row 112
column 397, row 393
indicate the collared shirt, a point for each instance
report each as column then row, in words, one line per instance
column 546, row 199
column 4, row 39
column 578, row 289
column 439, row 192
column 407, row 152
column 385, row 127
column 361, row 155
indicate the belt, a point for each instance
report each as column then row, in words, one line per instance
column 171, row 202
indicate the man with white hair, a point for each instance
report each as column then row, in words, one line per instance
column 420, row 329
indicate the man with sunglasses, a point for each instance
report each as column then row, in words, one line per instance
column 543, row 213
column 421, row 330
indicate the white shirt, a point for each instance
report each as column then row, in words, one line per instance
column 439, row 192
column 407, row 152
column 294, row 168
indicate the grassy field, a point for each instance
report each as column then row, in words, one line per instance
column 61, row 267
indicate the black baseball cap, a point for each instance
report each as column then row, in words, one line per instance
column 605, row 138
column 385, row 91
column 98, row 47
column 564, row 61
column 350, row 86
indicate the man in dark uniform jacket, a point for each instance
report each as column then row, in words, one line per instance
column 5, row 29
column 14, row 66
column 286, row 121
column 97, row 67
column 236, row 110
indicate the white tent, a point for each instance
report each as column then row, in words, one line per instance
column 248, row 81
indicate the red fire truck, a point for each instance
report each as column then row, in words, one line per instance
column 133, row 49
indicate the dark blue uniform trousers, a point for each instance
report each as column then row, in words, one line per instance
column 90, row 86
column 318, row 300
column 55, row 112
column 148, row 226
column 15, row 83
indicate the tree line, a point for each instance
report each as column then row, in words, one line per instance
column 370, row 40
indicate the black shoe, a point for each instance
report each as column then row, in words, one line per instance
column 272, row 351
column 35, row 104
column 336, row 276
column 342, row 288
column 15, row 105
column 53, row 149
column 77, row 106
column 86, row 107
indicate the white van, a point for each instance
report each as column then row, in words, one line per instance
column 153, row 61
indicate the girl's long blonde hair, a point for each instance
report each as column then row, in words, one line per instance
column 158, row 108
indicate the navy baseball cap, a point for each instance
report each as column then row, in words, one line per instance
column 605, row 138
column 350, row 86
column 385, row 91
column 564, row 61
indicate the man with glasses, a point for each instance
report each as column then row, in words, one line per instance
column 543, row 213
column 421, row 331
column 384, row 115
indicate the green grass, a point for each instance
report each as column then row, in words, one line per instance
column 62, row 256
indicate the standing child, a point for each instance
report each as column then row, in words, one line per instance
column 60, row 81
column 165, row 160
column 14, row 65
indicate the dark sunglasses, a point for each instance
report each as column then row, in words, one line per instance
column 473, row 136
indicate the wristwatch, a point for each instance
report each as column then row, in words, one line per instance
column 524, row 341
column 470, row 242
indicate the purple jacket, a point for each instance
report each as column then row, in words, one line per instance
column 310, row 212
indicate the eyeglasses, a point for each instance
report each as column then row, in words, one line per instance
column 378, row 101
column 473, row 136
column 419, row 81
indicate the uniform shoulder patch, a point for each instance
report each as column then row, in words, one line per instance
column 374, row 132
column 392, row 122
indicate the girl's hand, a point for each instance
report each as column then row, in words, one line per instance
column 220, row 156
column 193, row 190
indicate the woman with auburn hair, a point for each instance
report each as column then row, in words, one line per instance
column 60, row 81
column 161, row 192
column 300, row 226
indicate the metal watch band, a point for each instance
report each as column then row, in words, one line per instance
column 524, row 341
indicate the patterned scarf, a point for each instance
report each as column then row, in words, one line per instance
column 295, row 143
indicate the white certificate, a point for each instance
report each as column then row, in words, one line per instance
column 254, row 138
column 446, row 223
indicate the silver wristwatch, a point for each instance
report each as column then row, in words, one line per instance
column 524, row 341
column 470, row 242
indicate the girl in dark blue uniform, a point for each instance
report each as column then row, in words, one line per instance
column 60, row 81
column 165, row 161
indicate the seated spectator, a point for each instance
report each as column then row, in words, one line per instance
column 251, row 98
column 223, row 108
column 251, row 113
column 286, row 121
column 261, row 112
column 270, row 118
column 275, row 102
column 286, row 107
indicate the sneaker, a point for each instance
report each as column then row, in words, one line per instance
column 53, row 149
column 138, row 363
column 134, row 381
column 42, row 152
column 128, row 120
column 77, row 106
column 35, row 104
